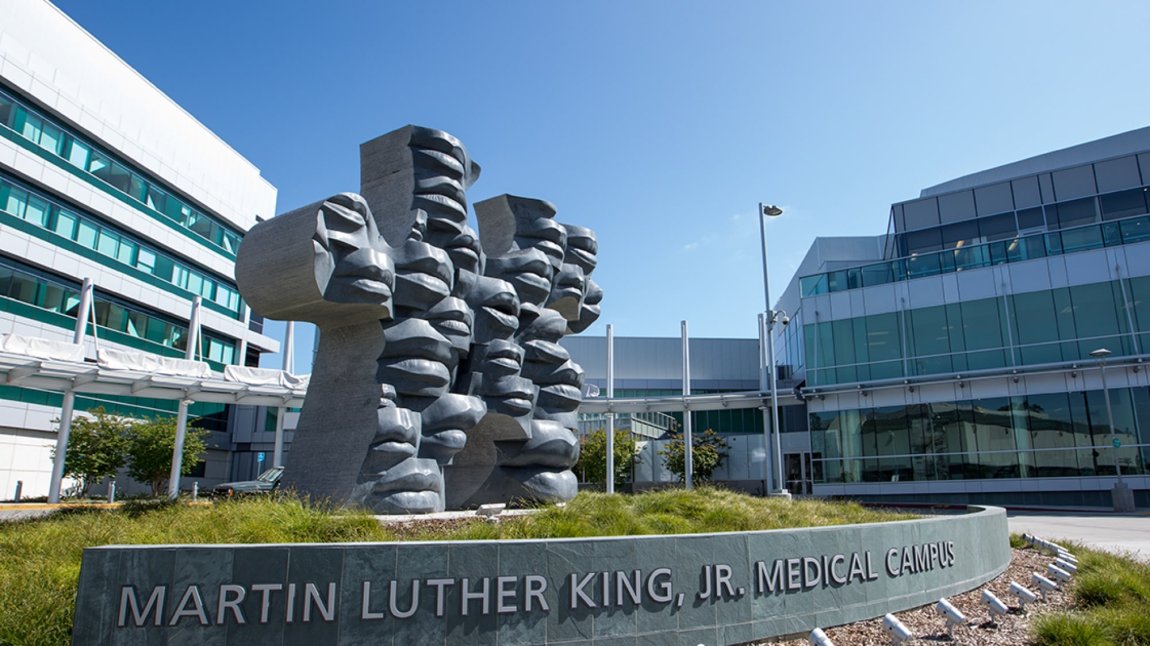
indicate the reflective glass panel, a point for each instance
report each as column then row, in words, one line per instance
column 1123, row 204
column 1030, row 218
column 65, row 224
column 1081, row 239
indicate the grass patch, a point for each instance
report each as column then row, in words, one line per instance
column 40, row 559
column 1112, row 600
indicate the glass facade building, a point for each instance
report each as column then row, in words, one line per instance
column 950, row 359
column 104, row 177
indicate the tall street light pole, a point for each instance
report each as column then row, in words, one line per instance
column 765, row 211
column 1121, row 496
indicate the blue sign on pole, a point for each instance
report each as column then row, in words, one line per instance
column 260, row 457
column 1117, row 443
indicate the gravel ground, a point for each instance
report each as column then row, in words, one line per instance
column 929, row 626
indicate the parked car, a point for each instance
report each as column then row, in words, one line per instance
column 265, row 483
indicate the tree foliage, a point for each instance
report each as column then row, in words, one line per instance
column 150, row 445
column 97, row 447
column 708, row 450
column 593, row 456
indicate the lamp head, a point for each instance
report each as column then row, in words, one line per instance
column 1101, row 353
column 771, row 210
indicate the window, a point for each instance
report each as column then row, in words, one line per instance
column 883, row 347
column 52, row 297
column 23, row 288
column 6, row 110
column 98, row 164
column 155, row 198
column 60, row 298
column 16, row 201
column 1030, row 219
column 137, row 324
column 1081, row 239
column 1073, row 213
column 36, row 211
column 1123, row 204
column 231, row 242
column 845, row 356
column 198, row 470
column 120, row 177
column 52, row 139
column 983, row 333
column 997, row 227
column 146, row 260
column 180, row 276
column 200, row 224
column 59, row 141
column 1099, row 315
column 924, row 241
column 86, row 234
column 78, row 154
column 32, row 127
column 65, row 224
column 960, row 234
column 813, row 285
column 194, row 282
column 6, row 276
column 126, row 251
column 108, row 243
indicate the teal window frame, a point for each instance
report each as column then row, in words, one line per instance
column 35, row 294
column 70, row 151
column 120, row 247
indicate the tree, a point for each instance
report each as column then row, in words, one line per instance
column 593, row 456
column 97, row 447
column 150, row 445
column 708, row 449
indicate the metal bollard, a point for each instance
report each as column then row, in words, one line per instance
column 19, row 490
column 195, row 491
column 112, row 491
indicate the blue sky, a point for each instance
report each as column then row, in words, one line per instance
column 659, row 123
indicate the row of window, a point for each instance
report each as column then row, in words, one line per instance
column 1055, row 243
column 28, row 286
column 60, row 141
column 33, row 207
column 1049, row 435
column 1051, row 217
column 1031, row 328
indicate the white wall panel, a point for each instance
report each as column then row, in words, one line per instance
column 1087, row 267
column 137, row 119
column 925, row 292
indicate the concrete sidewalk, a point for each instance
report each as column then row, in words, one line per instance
column 1119, row 533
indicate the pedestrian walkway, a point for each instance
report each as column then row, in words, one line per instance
column 1119, row 533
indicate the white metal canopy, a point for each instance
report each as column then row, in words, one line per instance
column 83, row 377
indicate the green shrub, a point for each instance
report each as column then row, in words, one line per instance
column 1112, row 598
column 1069, row 630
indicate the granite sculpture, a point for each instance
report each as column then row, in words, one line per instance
column 439, row 381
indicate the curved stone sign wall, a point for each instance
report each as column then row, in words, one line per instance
column 692, row 589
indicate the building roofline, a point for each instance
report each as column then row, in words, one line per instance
column 1119, row 145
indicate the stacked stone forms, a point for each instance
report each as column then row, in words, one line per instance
column 449, row 388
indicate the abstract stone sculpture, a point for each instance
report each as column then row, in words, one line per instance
column 326, row 264
column 439, row 381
